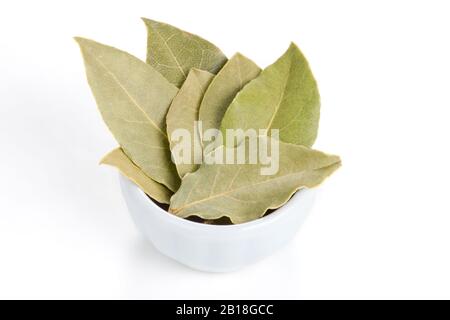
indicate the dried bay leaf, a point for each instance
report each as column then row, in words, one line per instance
column 183, row 114
column 173, row 52
column 234, row 75
column 242, row 194
column 117, row 158
column 133, row 99
column 284, row 96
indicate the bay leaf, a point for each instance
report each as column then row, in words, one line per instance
column 117, row 158
column 241, row 193
column 284, row 96
column 234, row 75
column 133, row 99
column 183, row 114
column 173, row 52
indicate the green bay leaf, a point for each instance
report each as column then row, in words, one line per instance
column 234, row 75
column 240, row 192
column 284, row 96
column 183, row 114
column 133, row 99
column 173, row 52
column 117, row 158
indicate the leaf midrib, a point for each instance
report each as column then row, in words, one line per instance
column 277, row 108
column 170, row 51
column 236, row 189
column 114, row 77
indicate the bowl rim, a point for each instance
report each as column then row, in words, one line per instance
column 182, row 222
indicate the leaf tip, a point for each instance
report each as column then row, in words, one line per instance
column 195, row 70
column 239, row 56
column 293, row 48
column 334, row 161
column 84, row 42
column 78, row 40
column 199, row 72
column 105, row 159
column 338, row 160
column 150, row 22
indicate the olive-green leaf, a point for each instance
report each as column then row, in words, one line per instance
column 234, row 75
column 183, row 114
column 133, row 99
column 241, row 193
column 173, row 52
column 284, row 96
column 117, row 158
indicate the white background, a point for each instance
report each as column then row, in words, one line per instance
column 381, row 228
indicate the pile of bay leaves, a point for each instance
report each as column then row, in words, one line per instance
column 188, row 80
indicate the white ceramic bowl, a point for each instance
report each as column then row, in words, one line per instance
column 216, row 248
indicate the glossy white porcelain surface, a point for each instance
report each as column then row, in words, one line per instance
column 216, row 248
